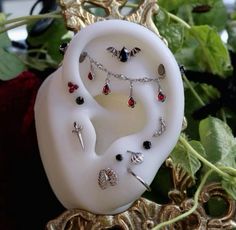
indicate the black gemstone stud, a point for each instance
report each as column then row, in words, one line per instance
column 147, row 144
column 124, row 55
column 79, row 100
column 63, row 47
column 119, row 157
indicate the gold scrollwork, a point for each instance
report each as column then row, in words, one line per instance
column 77, row 16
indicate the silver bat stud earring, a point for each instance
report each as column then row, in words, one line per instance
column 124, row 54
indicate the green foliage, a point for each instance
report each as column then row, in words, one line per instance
column 218, row 140
column 51, row 39
column 8, row 59
column 182, row 156
column 215, row 17
column 204, row 50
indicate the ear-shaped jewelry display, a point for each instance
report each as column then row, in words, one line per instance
column 99, row 154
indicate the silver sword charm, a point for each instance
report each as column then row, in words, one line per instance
column 77, row 131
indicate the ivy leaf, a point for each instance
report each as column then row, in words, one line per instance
column 172, row 32
column 216, row 16
column 218, row 140
column 51, row 39
column 4, row 39
column 10, row 65
column 203, row 50
column 230, row 187
column 183, row 157
column 231, row 29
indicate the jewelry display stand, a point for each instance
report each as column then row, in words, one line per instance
column 142, row 213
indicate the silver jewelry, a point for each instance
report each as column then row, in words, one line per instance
column 162, row 128
column 140, row 180
column 106, row 88
column 124, row 54
column 107, row 177
column 77, row 131
column 162, row 71
column 136, row 157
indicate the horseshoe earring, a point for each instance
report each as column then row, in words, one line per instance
column 124, row 54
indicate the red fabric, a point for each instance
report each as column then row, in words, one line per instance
column 26, row 200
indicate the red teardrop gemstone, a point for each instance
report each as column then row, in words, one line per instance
column 90, row 76
column 106, row 89
column 70, row 84
column 161, row 97
column 131, row 102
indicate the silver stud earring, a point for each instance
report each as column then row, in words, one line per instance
column 161, row 129
column 136, row 157
column 107, row 177
column 124, row 54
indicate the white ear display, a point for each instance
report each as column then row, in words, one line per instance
column 109, row 116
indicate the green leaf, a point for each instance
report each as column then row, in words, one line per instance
column 231, row 29
column 172, row 32
column 171, row 4
column 211, row 53
column 10, row 65
column 183, row 157
column 230, row 187
column 51, row 39
column 218, row 140
column 4, row 39
column 216, row 17
column 204, row 51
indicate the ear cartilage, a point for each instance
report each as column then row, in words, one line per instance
column 162, row 128
column 140, row 180
column 77, row 131
column 124, row 54
column 136, row 157
column 107, row 177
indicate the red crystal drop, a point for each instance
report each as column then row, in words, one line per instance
column 75, row 87
column 131, row 102
column 161, row 97
column 90, row 76
column 71, row 90
column 106, row 89
column 70, row 84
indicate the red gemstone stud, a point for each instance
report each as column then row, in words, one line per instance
column 161, row 97
column 72, row 87
column 106, row 89
column 131, row 102
column 90, row 76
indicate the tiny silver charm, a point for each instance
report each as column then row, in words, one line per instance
column 161, row 71
column 107, row 177
column 77, row 131
column 136, row 158
column 82, row 57
column 124, row 54
column 162, row 128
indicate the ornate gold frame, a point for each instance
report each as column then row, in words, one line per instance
column 144, row 214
